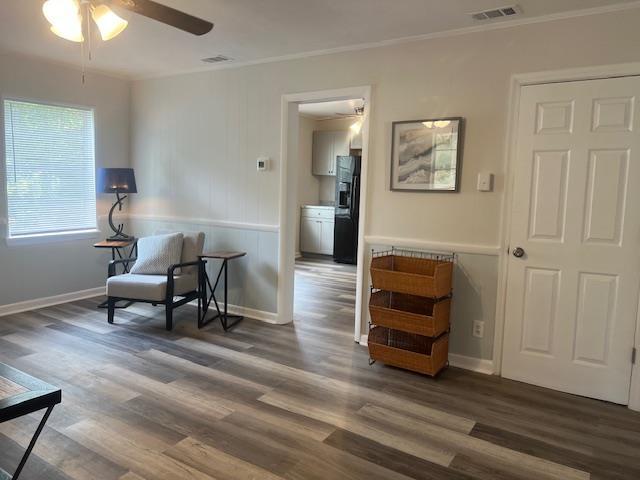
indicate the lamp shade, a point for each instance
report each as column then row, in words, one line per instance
column 116, row 180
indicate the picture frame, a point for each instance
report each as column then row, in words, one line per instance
column 426, row 155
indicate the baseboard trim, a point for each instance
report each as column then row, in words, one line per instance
column 478, row 365
column 268, row 317
column 37, row 303
column 261, row 315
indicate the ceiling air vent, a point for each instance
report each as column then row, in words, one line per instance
column 497, row 13
column 216, row 59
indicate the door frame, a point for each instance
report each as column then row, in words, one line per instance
column 513, row 111
column 288, row 198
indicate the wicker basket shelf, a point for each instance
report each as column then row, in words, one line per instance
column 409, row 351
column 409, row 313
column 423, row 277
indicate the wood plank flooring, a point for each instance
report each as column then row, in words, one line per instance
column 286, row 402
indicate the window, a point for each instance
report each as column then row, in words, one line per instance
column 50, row 169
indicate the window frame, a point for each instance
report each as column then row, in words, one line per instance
column 50, row 237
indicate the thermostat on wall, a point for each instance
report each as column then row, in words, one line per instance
column 263, row 164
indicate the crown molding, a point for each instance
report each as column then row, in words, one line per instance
column 499, row 25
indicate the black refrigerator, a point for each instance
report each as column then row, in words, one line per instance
column 345, row 232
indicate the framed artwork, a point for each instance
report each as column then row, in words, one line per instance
column 426, row 155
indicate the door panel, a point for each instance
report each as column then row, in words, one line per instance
column 548, row 205
column 604, row 212
column 572, row 297
column 540, row 310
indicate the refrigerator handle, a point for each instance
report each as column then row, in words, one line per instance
column 354, row 188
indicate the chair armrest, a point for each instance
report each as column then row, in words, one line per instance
column 171, row 271
column 172, row 268
column 114, row 263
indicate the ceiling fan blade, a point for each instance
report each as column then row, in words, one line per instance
column 167, row 15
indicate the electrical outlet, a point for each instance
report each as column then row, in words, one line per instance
column 478, row 328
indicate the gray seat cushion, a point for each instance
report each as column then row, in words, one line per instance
column 148, row 287
column 157, row 253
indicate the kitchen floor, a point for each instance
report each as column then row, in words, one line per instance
column 325, row 292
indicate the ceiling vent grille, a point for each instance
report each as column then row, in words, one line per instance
column 497, row 13
column 216, row 59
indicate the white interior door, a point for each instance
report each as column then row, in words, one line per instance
column 572, row 297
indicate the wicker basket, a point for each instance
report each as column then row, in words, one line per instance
column 406, row 350
column 423, row 277
column 409, row 313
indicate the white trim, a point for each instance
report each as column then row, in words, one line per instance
column 37, row 303
column 471, row 248
column 286, row 249
column 499, row 25
column 210, row 222
column 479, row 365
column 40, row 238
column 517, row 82
column 260, row 315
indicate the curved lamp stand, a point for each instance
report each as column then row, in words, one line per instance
column 118, row 231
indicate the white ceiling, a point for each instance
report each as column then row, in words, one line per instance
column 258, row 30
column 330, row 110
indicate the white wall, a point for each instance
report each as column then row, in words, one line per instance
column 196, row 136
column 30, row 272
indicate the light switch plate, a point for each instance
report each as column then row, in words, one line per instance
column 485, row 182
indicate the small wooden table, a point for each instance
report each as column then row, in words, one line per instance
column 118, row 247
column 119, row 250
column 22, row 394
column 205, row 283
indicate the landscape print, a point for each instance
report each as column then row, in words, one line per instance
column 425, row 155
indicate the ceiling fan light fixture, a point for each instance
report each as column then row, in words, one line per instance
column 109, row 24
column 356, row 126
column 64, row 17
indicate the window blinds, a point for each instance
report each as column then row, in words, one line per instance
column 50, row 168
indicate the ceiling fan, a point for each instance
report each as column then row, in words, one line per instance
column 357, row 112
column 66, row 17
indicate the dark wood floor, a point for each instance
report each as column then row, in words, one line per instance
column 293, row 402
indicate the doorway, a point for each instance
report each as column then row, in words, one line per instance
column 574, row 264
column 323, row 211
column 329, row 164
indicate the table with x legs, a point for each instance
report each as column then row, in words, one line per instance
column 22, row 394
column 208, row 290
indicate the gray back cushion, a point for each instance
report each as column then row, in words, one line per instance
column 192, row 245
column 157, row 253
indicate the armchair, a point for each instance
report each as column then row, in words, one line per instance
column 159, row 289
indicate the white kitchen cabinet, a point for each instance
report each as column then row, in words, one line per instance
column 316, row 230
column 326, row 147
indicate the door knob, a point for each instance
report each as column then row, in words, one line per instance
column 518, row 252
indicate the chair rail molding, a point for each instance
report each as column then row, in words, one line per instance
column 469, row 248
column 211, row 222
